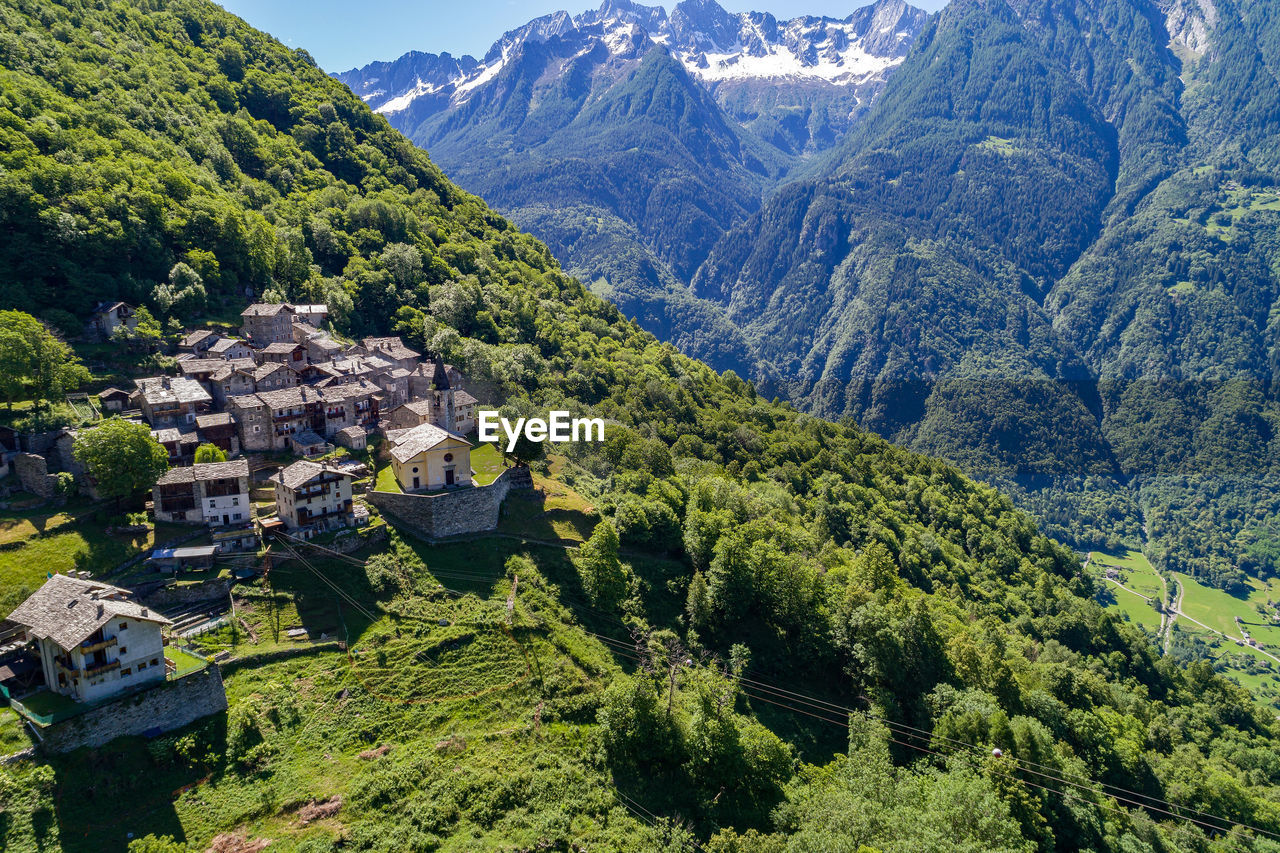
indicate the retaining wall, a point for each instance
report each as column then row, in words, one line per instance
column 167, row 706
column 452, row 513
column 33, row 474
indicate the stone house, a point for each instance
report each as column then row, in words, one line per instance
column 219, row 429
column 265, row 323
column 199, row 341
column 253, row 422
column 272, row 376
column 215, row 493
column 427, row 458
column 230, row 349
column 284, row 352
column 409, row 415
column 92, row 641
column 201, row 369
column 109, row 316
column 393, row 350
column 232, row 379
column 167, row 401
column 179, row 444
column 310, row 495
column 464, row 412
column 312, row 315
column 113, row 400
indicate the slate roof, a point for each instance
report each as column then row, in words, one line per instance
column 69, row 610
column 409, row 443
column 205, row 471
column 163, row 389
column 281, row 348
column 227, row 344
column 302, row 472
column 108, row 393
column 214, row 420
column 264, row 309
column 462, row 398
column 201, row 365
column 262, row 372
column 196, row 337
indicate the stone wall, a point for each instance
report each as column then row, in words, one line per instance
column 167, row 706
column 218, row 589
column 33, row 473
column 452, row 513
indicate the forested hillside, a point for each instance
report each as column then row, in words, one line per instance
column 1048, row 254
column 1042, row 248
column 783, row 634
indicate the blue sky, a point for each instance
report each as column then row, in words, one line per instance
column 341, row 34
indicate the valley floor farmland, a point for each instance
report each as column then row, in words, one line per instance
column 1206, row 622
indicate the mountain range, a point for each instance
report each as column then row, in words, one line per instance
column 1036, row 238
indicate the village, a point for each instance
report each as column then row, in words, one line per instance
column 270, row 436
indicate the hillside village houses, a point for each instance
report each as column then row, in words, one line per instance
column 289, row 386
column 92, row 641
column 311, row 497
column 216, row 493
column 109, row 316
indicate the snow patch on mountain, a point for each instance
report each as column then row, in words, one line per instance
column 713, row 45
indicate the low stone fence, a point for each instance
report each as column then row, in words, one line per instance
column 452, row 513
column 167, row 706
column 171, row 596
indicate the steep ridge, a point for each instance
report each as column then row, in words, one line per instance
column 631, row 140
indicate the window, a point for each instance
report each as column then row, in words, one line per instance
column 236, row 517
column 155, row 661
column 415, row 470
column 123, row 650
column 257, row 428
column 142, row 665
column 128, row 670
column 124, row 626
column 235, row 502
column 448, row 457
column 212, row 503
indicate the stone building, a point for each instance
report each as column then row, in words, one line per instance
column 166, row 401
column 265, row 323
column 92, row 641
column 311, row 496
column 215, row 493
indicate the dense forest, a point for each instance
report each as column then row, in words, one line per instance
column 1043, row 249
column 1048, row 254
column 812, row 556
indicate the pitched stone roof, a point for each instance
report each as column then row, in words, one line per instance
column 69, row 610
column 205, row 471
column 280, row 348
column 264, row 309
column 422, row 408
column 462, row 398
column 235, row 365
column 108, row 393
column 163, row 389
column 302, row 472
column 196, row 337
column 409, row 443
column 214, row 420
column 201, row 365
column 226, row 344
column 262, row 372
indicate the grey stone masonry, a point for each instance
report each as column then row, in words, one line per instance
column 33, row 474
column 453, row 513
column 167, row 706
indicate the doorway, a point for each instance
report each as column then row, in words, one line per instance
column 448, row 476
